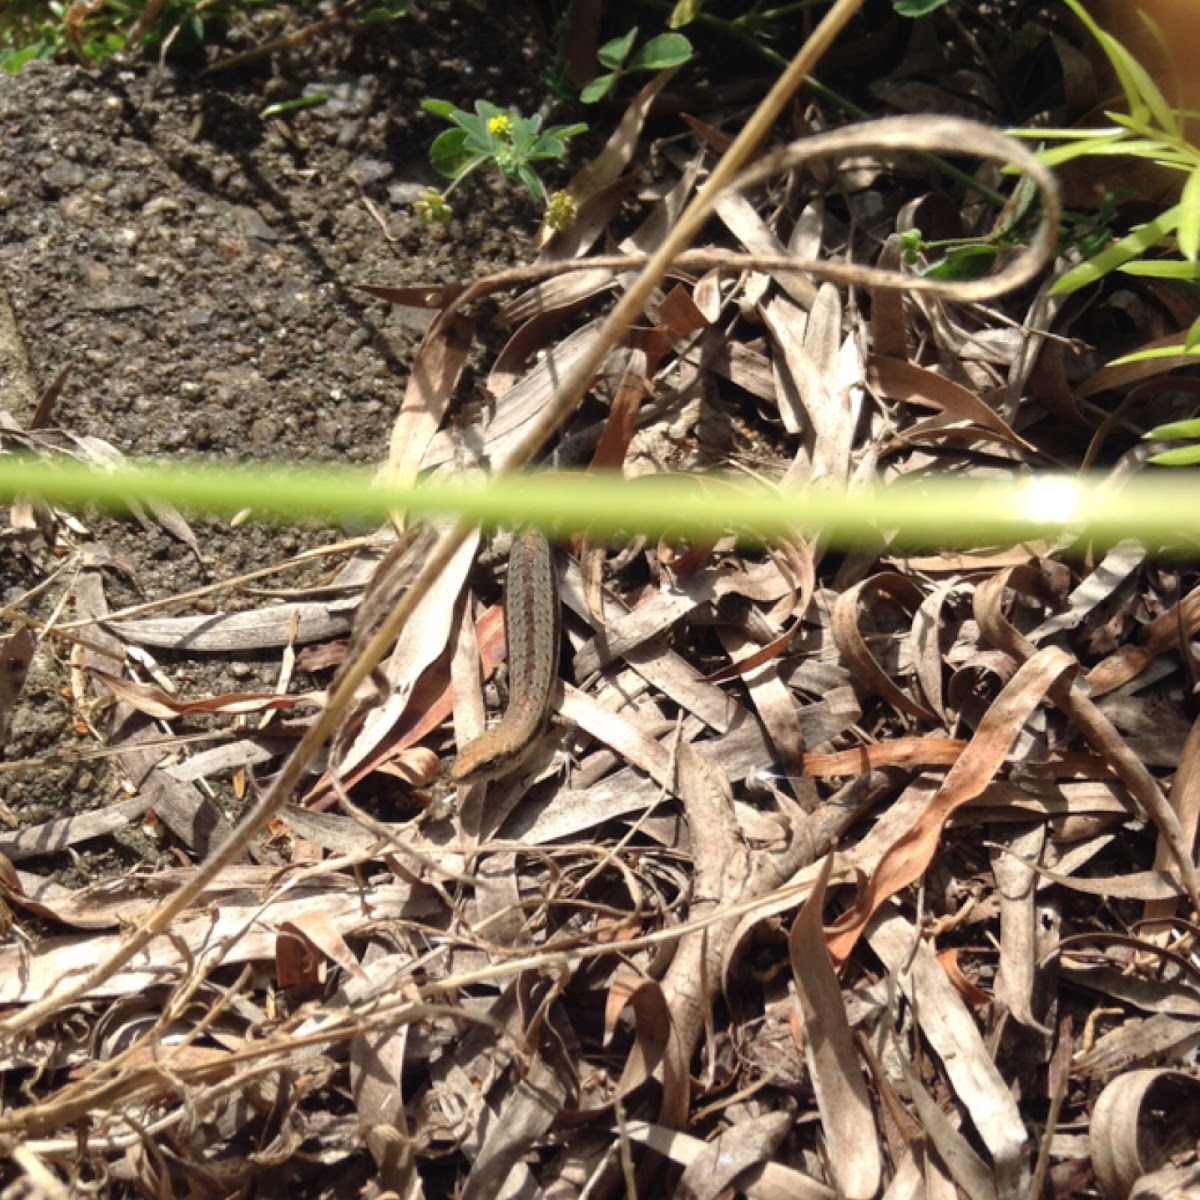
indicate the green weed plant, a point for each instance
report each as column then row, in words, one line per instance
column 660, row 53
column 1153, row 131
column 507, row 141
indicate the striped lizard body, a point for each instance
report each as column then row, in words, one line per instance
column 533, row 632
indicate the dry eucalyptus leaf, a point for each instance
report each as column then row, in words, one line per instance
column 1141, row 1120
column 843, row 1101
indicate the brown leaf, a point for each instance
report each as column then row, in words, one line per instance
column 619, row 149
column 511, row 1133
column 323, row 936
column 953, row 1034
column 253, row 629
column 847, row 1119
column 1140, row 1120
column 888, row 331
column 656, row 1049
column 1185, row 800
column 154, row 702
column 546, row 305
column 297, row 963
column 932, row 751
column 719, row 141
column 1124, row 374
column 634, row 387
column 906, row 860
column 906, row 382
column 242, row 926
column 1161, row 635
column 853, row 648
column 1094, row 725
column 964, row 1165
column 525, row 342
column 680, row 314
column 53, row 836
column 970, row 992
column 430, row 295
column 768, row 1181
column 720, row 1168
column 436, row 369
column 1016, row 976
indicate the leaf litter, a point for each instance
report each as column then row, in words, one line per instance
column 844, row 874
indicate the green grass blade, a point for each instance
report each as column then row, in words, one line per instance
column 1119, row 253
column 1141, row 94
column 1185, row 456
column 1145, row 87
column 941, row 511
column 1057, row 155
column 1189, row 217
column 1158, row 352
column 1152, row 268
column 1173, row 431
column 1070, row 135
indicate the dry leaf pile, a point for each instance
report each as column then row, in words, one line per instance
column 864, row 874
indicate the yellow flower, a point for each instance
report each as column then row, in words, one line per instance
column 500, row 126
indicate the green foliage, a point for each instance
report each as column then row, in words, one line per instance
column 1174, row 431
column 757, row 18
column 560, row 211
column 658, row 54
column 431, row 208
column 1181, row 456
column 1152, row 130
column 684, row 13
column 281, row 109
column 971, row 258
column 971, row 261
column 31, row 31
column 386, row 10
column 40, row 29
column 500, row 136
column 13, row 58
column 917, row 8
column 756, row 27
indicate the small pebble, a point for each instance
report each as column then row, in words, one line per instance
column 64, row 176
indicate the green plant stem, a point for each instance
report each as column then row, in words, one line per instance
column 940, row 511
